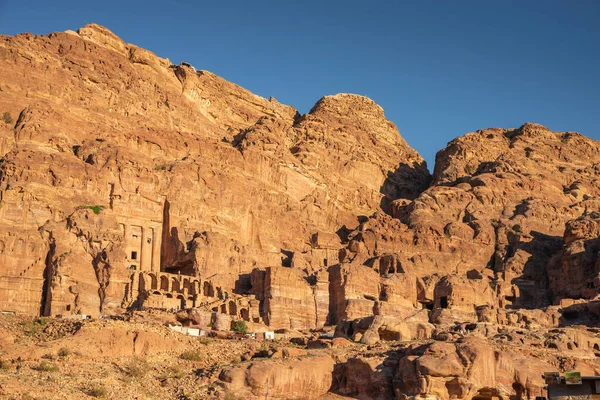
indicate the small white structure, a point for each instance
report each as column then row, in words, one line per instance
column 75, row 316
column 269, row 335
column 193, row 331
column 188, row 331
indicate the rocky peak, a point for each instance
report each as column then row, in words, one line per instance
column 102, row 37
column 530, row 129
column 531, row 148
column 348, row 104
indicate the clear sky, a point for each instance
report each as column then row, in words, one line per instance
column 438, row 68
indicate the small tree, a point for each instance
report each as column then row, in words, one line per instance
column 240, row 327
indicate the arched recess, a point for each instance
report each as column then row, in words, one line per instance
column 164, row 283
column 153, row 282
column 232, row 308
column 175, row 285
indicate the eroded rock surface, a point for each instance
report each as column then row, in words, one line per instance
column 127, row 182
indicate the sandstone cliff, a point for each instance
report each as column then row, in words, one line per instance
column 128, row 182
column 169, row 169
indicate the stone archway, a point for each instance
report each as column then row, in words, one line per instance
column 182, row 302
column 153, row 281
column 164, row 283
column 143, row 285
column 208, row 290
column 245, row 314
column 232, row 308
column 195, row 287
column 175, row 285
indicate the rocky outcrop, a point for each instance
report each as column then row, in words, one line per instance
column 470, row 368
column 494, row 215
column 574, row 272
column 306, row 378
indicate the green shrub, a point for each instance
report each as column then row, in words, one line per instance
column 64, row 352
column 240, row 327
column 192, row 355
column 46, row 366
column 97, row 390
column 35, row 327
column 95, row 209
column 7, row 118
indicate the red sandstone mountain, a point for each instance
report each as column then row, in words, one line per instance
column 174, row 156
column 127, row 181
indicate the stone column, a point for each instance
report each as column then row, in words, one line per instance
column 156, row 241
column 146, row 249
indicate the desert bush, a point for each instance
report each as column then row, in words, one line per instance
column 173, row 371
column 35, row 326
column 6, row 117
column 46, row 366
column 97, row 390
column 137, row 368
column 205, row 341
column 4, row 365
column 192, row 355
column 64, row 352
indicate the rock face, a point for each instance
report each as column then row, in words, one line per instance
column 162, row 168
column 307, row 378
column 467, row 369
column 129, row 182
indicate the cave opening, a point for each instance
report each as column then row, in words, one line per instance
column 444, row 302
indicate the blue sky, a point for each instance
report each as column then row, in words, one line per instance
column 438, row 68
